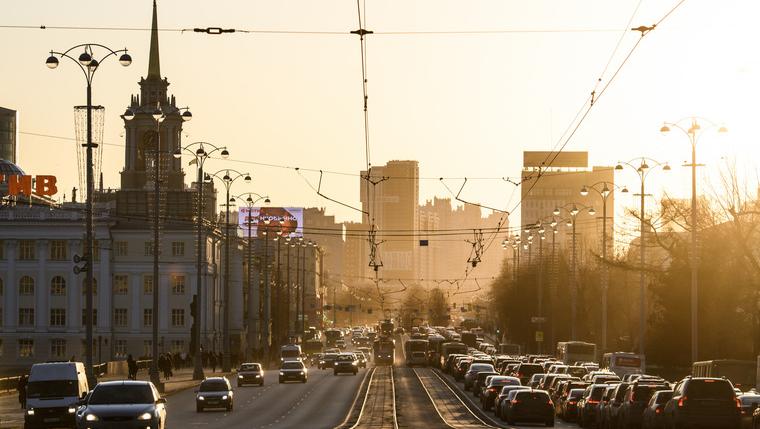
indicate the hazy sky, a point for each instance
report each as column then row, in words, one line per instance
column 463, row 105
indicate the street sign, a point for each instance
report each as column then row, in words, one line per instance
column 539, row 336
column 536, row 319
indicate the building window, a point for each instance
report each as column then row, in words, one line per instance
column 148, row 248
column 57, row 348
column 2, row 287
column 178, row 248
column 58, row 286
column 26, row 317
column 120, row 317
column 120, row 348
column 26, row 348
column 58, row 317
column 120, row 284
column 148, row 284
column 26, row 250
column 94, row 286
column 121, row 248
column 178, row 317
column 1, row 347
column 2, row 249
column 26, row 286
column 147, row 348
column 147, row 317
column 177, row 346
column 58, row 250
column 94, row 317
column 178, row 284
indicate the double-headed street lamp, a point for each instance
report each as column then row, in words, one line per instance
column 89, row 65
column 573, row 210
column 694, row 132
column 642, row 171
column 607, row 188
column 253, row 291
column 227, row 177
column 201, row 151
column 159, row 115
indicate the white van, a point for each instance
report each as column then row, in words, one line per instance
column 52, row 394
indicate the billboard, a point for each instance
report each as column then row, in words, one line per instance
column 289, row 220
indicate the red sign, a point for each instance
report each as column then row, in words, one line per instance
column 17, row 184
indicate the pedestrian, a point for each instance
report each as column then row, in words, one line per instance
column 131, row 367
column 21, row 388
column 212, row 361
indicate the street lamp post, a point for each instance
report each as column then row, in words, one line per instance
column 604, row 194
column 200, row 155
column 227, row 181
column 572, row 221
column 694, row 132
column 89, row 65
column 642, row 171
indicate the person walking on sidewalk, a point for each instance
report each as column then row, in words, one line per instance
column 131, row 368
column 212, row 361
column 21, row 388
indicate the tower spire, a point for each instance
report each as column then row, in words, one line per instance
column 154, row 65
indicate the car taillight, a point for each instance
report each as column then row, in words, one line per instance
column 738, row 403
column 519, row 374
column 493, row 389
column 515, row 401
column 658, row 410
column 571, row 402
column 592, row 401
column 682, row 401
column 550, row 402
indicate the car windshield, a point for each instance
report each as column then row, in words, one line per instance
column 664, row 397
column 51, row 388
column 292, row 365
column 480, row 367
column 345, row 358
column 748, row 400
column 576, row 393
column 121, row 394
column 214, row 386
column 709, row 389
column 250, row 367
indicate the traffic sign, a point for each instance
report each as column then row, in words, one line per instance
column 539, row 336
column 536, row 319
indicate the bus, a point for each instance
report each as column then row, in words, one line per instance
column 435, row 341
column 742, row 373
column 312, row 346
column 622, row 363
column 570, row 352
column 333, row 335
column 290, row 352
column 384, row 351
column 453, row 347
column 416, row 352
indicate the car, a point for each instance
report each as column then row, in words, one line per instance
column 531, row 406
column 569, row 408
column 327, row 361
column 346, row 362
column 756, row 418
column 341, row 344
column 480, row 380
column 129, row 402
column 749, row 401
column 636, row 398
column 705, row 401
column 535, row 380
column 250, row 373
column 293, row 370
column 361, row 359
column 600, row 416
column 214, row 392
column 652, row 417
column 525, row 371
column 501, row 398
column 52, row 392
column 472, row 373
column 588, row 403
column 493, row 387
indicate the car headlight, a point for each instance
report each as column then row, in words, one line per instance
column 201, row 398
column 282, row 373
column 301, row 372
column 240, row 376
column 354, row 363
column 224, row 397
column 258, row 376
column 145, row 416
column 30, row 412
column 72, row 410
column 91, row 418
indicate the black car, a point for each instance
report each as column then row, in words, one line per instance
column 293, row 370
column 653, row 417
column 122, row 403
column 250, row 373
column 588, row 403
column 705, row 402
column 531, row 406
column 214, row 392
column 635, row 401
column 569, row 409
column 749, row 403
column 493, row 388
column 525, row 371
column 327, row 361
column 479, row 382
column 346, row 362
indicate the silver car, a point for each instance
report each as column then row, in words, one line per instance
column 124, row 403
column 472, row 373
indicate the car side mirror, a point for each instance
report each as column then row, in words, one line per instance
column 161, row 400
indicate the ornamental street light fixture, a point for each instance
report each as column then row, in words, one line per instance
column 642, row 171
column 88, row 63
column 604, row 194
column 694, row 132
column 227, row 177
column 200, row 151
column 573, row 210
column 158, row 114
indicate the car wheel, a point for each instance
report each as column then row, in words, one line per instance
column 198, row 409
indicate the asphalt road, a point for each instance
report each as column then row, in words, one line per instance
column 322, row 402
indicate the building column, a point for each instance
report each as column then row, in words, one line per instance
column 74, row 293
column 41, row 289
column 10, row 304
column 164, row 312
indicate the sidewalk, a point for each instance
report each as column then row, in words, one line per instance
column 12, row 416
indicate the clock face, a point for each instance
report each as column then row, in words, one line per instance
column 145, row 147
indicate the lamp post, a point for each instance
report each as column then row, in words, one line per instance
column 642, row 171
column 694, row 132
column 158, row 115
column 303, row 289
column 89, row 65
column 227, row 180
column 573, row 211
column 200, row 154
column 604, row 194
column 253, row 292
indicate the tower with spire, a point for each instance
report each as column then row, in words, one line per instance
column 142, row 133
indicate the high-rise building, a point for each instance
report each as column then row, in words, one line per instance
column 8, row 134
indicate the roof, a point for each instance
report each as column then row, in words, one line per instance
column 9, row 168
